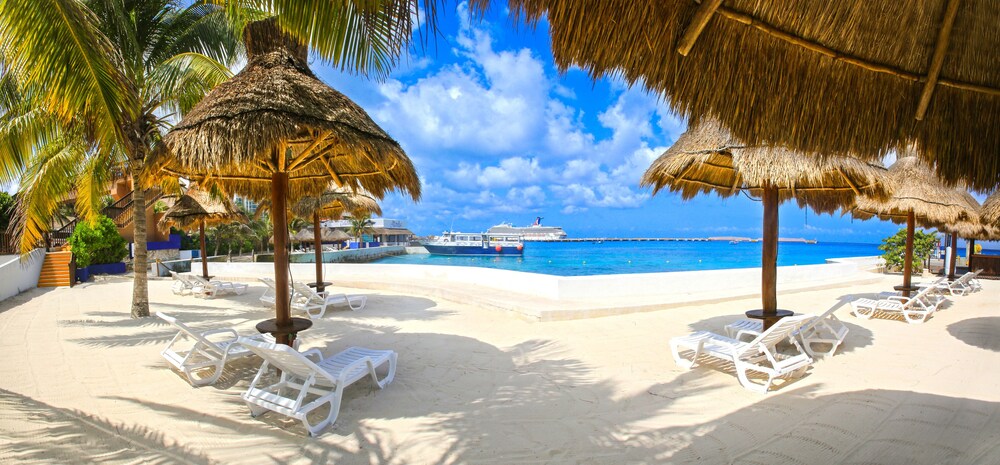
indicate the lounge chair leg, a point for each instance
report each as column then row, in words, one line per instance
column 741, row 373
column 683, row 362
column 255, row 410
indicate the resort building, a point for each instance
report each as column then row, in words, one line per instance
column 383, row 231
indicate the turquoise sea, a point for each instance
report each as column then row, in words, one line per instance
column 588, row 258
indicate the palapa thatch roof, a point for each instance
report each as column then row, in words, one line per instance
column 706, row 158
column 196, row 206
column 916, row 188
column 334, row 203
column 861, row 76
column 326, row 235
column 990, row 213
column 275, row 115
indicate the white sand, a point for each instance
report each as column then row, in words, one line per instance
column 81, row 382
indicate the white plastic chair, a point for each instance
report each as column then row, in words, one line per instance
column 208, row 289
column 314, row 304
column 208, row 351
column 820, row 331
column 181, row 285
column 759, row 355
column 915, row 309
column 308, row 373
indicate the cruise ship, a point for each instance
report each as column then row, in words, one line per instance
column 535, row 232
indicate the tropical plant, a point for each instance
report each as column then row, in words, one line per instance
column 95, row 242
column 87, row 88
column 230, row 234
column 6, row 210
column 360, row 225
column 894, row 248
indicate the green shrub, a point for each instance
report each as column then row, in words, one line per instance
column 97, row 243
column 894, row 248
column 160, row 207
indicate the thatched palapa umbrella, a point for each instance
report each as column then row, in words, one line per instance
column 847, row 76
column 969, row 228
column 333, row 204
column 197, row 209
column 918, row 197
column 276, row 131
column 707, row 158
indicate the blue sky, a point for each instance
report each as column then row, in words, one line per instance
column 497, row 134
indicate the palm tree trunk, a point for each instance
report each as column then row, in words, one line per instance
column 140, row 285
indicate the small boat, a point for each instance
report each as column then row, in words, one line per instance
column 734, row 242
column 457, row 243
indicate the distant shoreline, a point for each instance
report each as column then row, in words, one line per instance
column 670, row 239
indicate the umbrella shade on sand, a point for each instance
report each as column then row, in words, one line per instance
column 197, row 209
column 846, row 76
column 276, row 131
column 707, row 158
column 918, row 197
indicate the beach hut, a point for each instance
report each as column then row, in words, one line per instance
column 276, row 131
column 849, row 76
column 707, row 158
column 918, row 197
column 197, row 209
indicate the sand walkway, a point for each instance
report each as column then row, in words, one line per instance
column 81, row 382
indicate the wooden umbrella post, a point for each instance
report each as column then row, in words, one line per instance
column 279, row 219
column 769, row 253
column 318, row 245
column 908, row 256
column 204, row 251
column 954, row 256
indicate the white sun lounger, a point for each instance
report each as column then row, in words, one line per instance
column 308, row 373
column 314, row 304
column 269, row 295
column 759, row 355
column 208, row 289
column 819, row 331
column 182, row 285
column 208, row 351
column 965, row 285
column 915, row 309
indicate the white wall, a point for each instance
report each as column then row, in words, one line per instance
column 17, row 276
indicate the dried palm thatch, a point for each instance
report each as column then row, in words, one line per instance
column 334, row 203
column 917, row 189
column 707, row 159
column 326, row 235
column 196, row 208
column 990, row 213
column 276, row 116
column 848, row 76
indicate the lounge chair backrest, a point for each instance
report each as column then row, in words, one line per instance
column 285, row 359
column 207, row 345
column 918, row 297
column 307, row 292
column 268, row 281
column 778, row 332
column 815, row 321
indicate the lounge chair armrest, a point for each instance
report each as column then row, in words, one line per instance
column 313, row 352
column 233, row 334
column 898, row 298
column 361, row 362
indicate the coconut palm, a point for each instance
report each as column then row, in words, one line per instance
column 88, row 87
column 360, row 225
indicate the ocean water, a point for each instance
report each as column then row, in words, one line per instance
column 586, row 258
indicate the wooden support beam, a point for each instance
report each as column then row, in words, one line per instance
column 304, row 156
column 704, row 13
column 937, row 60
column 333, row 173
column 849, row 182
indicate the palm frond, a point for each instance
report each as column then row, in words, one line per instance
column 182, row 81
column 56, row 44
column 24, row 127
column 45, row 184
column 92, row 183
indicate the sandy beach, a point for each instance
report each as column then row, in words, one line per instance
column 82, row 382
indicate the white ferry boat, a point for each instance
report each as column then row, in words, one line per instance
column 535, row 232
column 457, row 243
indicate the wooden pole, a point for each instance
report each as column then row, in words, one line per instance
column 318, row 245
column 908, row 256
column 204, row 251
column 769, row 254
column 954, row 255
column 698, row 23
column 279, row 219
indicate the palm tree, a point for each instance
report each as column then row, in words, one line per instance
column 85, row 84
column 360, row 225
column 87, row 88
